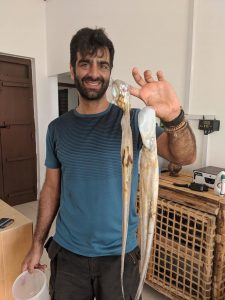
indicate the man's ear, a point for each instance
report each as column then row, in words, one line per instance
column 72, row 74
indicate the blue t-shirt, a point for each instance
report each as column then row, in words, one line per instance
column 87, row 150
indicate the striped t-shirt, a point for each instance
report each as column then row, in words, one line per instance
column 87, row 149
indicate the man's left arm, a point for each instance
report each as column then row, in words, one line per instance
column 178, row 147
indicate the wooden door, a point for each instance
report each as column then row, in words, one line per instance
column 18, row 179
column 1, row 175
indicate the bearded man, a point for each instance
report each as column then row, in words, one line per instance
column 84, row 182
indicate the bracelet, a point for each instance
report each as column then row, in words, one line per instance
column 180, row 126
column 175, row 122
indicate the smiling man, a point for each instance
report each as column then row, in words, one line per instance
column 84, row 181
column 92, row 87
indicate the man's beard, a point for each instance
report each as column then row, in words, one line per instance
column 88, row 93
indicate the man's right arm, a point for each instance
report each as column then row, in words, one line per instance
column 47, row 210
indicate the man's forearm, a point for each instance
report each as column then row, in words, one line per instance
column 47, row 210
column 182, row 144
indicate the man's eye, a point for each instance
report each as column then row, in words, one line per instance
column 84, row 65
column 105, row 66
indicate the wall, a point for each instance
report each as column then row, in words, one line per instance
column 23, row 33
column 184, row 38
column 208, row 76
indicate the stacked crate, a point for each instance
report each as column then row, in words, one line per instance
column 188, row 255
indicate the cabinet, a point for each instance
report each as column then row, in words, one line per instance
column 15, row 242
column 188, row 254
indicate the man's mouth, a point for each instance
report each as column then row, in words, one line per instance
column 92, row 84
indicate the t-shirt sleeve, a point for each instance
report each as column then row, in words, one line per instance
column 51, row 160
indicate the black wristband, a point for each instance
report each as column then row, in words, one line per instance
column 175, row 122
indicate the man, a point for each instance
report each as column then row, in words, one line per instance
column 83, row 178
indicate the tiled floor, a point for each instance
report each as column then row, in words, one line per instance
column 30, row 210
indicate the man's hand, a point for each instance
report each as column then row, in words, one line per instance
column 47, row 210
column 32, row 260
column 156, row 93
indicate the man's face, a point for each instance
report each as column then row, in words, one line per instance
column 92, row 74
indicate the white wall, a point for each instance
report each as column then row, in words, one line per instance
column 184, row 38
column 208, row 95
column 23, row 33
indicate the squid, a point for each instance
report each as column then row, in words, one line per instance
column 149, row 177
column 121, row 96
column 149, row 183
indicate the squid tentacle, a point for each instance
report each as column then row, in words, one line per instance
column 149, row 181
column 127, row 165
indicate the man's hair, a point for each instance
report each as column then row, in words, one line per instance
column 88, row 41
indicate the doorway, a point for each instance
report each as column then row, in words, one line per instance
column 18, row 165
column 67, row 93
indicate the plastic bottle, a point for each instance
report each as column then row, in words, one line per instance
column 219, row 185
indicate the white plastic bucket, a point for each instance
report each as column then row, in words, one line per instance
column 31, row 286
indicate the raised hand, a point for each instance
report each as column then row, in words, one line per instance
column 156, row 93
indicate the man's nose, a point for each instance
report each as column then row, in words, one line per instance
column 93, row 71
